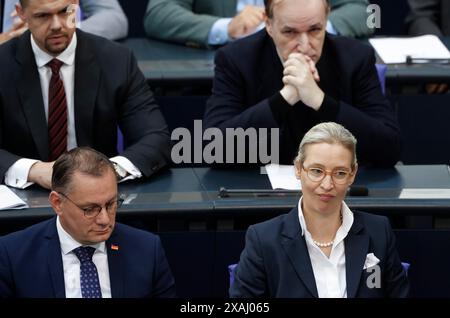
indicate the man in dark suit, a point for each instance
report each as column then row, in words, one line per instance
column 61, row 89
column 429, row 17
column 293, row 75
column 49, row 259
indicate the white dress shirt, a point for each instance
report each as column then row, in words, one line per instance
column 329, row 273
column 17, row 174
column 71, row 264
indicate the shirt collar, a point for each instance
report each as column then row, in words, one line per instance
column 68, row 243
column 67, row 56
column 347, row 221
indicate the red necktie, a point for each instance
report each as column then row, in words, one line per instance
column 57, row 113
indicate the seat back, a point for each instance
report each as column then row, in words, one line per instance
column 381, row 71
column 231, row 271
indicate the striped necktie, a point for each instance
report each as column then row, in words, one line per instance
column 57, row 113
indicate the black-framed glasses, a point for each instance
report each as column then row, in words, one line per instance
column 92, row 211
column 339, row 176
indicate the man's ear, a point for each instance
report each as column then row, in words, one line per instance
column 269, row 26
column 20, row 12
column 55, row 200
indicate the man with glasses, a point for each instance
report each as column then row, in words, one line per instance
column 83, row 252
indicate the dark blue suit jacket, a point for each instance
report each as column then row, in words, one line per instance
column 31, row 264
column 248, row 78
column 276, row 262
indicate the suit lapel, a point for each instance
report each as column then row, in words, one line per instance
column 356, row 248
column 87, row 79
column 330, row 77
column 272, row 73
column 295, row 247
column 30, row 93
column 54, row 260
column 116, row 268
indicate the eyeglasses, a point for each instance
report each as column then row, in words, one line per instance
column 339, row 176
column 94, row 210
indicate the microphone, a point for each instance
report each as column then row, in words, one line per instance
column 226, row 193
column 358, row 191
column 353, row 191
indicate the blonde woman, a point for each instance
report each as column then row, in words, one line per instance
column 322, row 248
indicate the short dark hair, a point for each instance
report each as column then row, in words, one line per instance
column 269, row 6
column 23, row 3
column 85, row 160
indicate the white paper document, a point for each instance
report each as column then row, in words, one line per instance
column 396, row 50
column 10, row 200
column 283, row 177
column 425, row 194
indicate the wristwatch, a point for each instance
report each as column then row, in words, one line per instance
column 120, row 172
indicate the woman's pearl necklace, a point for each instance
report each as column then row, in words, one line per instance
column 327, row 244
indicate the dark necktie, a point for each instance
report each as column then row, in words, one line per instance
column 57, row 113
column 90, row 285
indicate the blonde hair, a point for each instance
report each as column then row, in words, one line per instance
column 330, row 133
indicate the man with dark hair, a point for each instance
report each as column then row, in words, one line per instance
column 61, row 88
column 83, row 252
column 293, row 75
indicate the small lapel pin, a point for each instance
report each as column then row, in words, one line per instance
column 114, row 247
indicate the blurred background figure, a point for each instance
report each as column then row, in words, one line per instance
column 100, row 17
column 205, row 22
column 429, row 17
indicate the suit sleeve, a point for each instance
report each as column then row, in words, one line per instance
column 395, row 278
column 423, row 17
column 225, row 108
column 104, row 18
column 175, row 21
column 250, row 278
column 164, row 283
column 349, row 18
column 371, row 118
column 145, row 132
